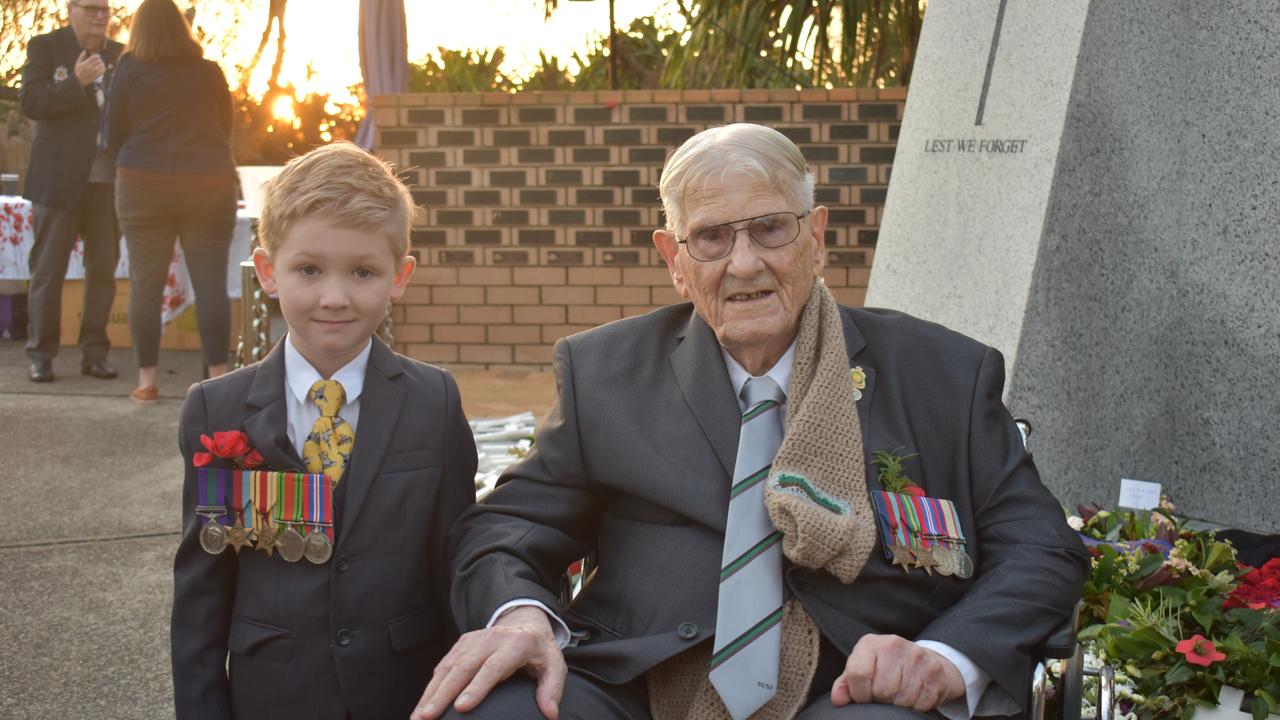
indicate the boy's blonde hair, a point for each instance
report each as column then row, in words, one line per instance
column 340, row 183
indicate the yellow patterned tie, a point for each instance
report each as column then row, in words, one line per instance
column 328, row 447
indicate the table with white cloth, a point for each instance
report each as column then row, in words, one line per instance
column 17, row 235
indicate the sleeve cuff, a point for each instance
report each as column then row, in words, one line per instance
column 557, row 625
column 975, row 681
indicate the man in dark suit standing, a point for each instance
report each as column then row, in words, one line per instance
column 70, row 184
column 722, row 460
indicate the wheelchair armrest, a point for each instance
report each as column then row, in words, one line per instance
column 1061, row 643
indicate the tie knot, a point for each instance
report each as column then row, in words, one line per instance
column 328, row 395
column 760, row 389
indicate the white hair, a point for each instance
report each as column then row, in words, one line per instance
column 759, row 152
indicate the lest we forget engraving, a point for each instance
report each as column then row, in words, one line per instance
column 981, row 146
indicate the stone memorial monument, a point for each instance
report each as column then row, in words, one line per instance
column 1094, row 189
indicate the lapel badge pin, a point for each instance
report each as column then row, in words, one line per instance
column 859, row 377
column 60, row 74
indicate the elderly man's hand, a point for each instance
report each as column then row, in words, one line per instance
column 521, row 639
column 89, row 68
column 888, row 669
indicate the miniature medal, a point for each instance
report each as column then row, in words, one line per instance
column 291, row 544
column 318, row 548
column 267, row 534
column 238, row 534
column 925, row 559
column 946, row 566
column 902, row 557
column 213, row 537
column 963, row 564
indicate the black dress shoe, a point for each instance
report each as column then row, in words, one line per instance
column 41, row 371
column 98, row 368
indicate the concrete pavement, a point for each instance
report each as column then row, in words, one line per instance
column 91, row 487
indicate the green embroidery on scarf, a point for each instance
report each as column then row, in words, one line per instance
column 794, row 483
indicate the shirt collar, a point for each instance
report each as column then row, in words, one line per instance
column 779, row 373
column 300, row 375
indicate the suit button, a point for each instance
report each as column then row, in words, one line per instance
column 688, row 631
column 343, row 564
column 344, row 637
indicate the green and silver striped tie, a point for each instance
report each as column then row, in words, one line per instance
column 744, row 666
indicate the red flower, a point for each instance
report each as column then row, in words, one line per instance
column 1259, row 588
column 228, row 445
column 915, row 490
column 1199, row 651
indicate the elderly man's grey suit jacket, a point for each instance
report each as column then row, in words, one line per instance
column 635, row 462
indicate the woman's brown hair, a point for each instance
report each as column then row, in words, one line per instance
column 160, row 33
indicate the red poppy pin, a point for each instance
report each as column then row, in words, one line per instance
column 230, row 445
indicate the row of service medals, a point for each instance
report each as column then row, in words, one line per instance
column 922, row 533
column 296, row 516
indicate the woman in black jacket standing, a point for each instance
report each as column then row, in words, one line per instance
column 169, row 123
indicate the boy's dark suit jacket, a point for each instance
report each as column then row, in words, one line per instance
column 66, row 115
column 635, row 462
column 361, row 633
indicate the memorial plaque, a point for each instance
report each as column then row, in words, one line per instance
column 1089, row 187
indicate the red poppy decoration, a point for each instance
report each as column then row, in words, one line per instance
column 228, row 445
column 1259, row 589
column 1199, row 651
column 915, row 490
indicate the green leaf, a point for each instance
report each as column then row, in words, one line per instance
column 1090, row 632
column 1205, row 616
column 1266, row 700
column 1119, row 608
column 1149, row 564
column 1179, row 673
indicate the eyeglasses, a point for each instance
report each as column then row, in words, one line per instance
column 770, row 231
column 98, row 10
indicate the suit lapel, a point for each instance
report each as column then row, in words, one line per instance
column 701, row 375
column 379, row 410
column 854, row 345
column 268, row 421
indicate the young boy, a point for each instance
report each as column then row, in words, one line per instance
column 353, row 630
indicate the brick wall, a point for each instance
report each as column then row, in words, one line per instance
column 538, row 208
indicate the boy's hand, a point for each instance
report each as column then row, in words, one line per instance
column 521, row 639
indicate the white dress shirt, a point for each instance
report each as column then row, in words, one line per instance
column 976, row 681
column 300, row 413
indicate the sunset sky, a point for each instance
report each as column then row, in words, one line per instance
column 323, row 33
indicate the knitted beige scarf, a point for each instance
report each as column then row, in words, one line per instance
column 817, row 496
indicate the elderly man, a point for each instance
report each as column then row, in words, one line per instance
column 70, row 184
column 798, row 508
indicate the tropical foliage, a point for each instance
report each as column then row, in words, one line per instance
column 801, row 43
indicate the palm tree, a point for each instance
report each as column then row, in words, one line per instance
column 805, row 43
column 793, row 43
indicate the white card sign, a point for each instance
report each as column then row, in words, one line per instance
column 1139, row 494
